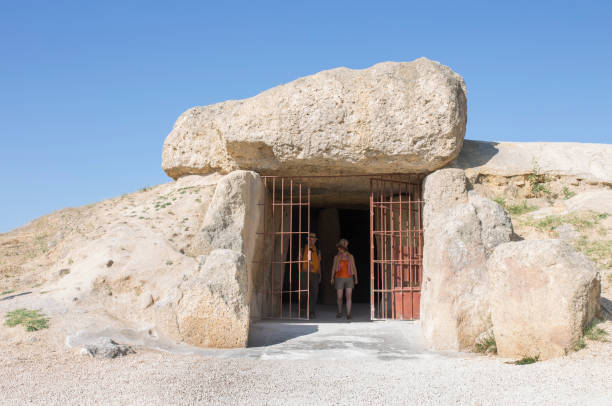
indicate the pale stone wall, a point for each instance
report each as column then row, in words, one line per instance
column 460, row 230
column 214, row 308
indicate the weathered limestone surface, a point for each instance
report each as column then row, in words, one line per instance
column 233, row 216
column 460, row 231
column 495, row 223
column 233, row 221
column 392, row 117
column 214, row 308
column 592, row 162
column 543, row 293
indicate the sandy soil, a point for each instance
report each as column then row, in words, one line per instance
column 33, row 374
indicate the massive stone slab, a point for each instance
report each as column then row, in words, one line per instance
column 590, row 162
column 542, row 295
column 214, row 308
column 391, row 117
column 234, row 221
column 461, row 229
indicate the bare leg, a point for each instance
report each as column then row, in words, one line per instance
column 349, row 300
column 339, row 300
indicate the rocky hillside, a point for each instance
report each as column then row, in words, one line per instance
column 106, row 264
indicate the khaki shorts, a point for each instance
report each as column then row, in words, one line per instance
column 344, row 283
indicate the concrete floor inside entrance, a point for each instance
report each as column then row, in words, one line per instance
column 330, row 338
column 326, row 338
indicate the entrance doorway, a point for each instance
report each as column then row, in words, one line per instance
column 381, row 218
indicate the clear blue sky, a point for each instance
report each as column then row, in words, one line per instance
column 89, row 90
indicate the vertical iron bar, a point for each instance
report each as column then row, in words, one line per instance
column 392, row 251
column 371, row 250
column 300, row 254
column 401, row 254
column 282, row 234
column 265, row 247
column 410, row 253
column 308, row 278
column 273, row 266
column 386, row 255
column 420, row 260
column 381, row 250
column 291, row 249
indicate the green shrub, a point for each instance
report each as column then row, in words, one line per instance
column 580, row 345
column 501, row 201
column 538, row 181
column 567, row 194
column 32, row 320
column 527, row 360
column 486, row 345
column 519, row 209
column 594, row 333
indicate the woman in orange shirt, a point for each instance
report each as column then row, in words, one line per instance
column 344, row 277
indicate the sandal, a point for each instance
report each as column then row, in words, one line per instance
column 349, row 317
column 338, row 315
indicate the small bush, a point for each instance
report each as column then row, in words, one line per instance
column 32, row 320
column 527, row 360
column 567, row 194
column 538, row 181
column 580, row 345
column 594, row 333
column 487, row 345
column 501, row 201
column 519, row 209
column 7, row 292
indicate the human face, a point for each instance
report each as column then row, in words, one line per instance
column 312, row 241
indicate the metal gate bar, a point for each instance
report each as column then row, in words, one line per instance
column 395, row 249
column 284, row 271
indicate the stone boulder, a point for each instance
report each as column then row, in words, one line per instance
column 542, row 295
column 213, row 310
column 460, row 230
column 234, row 215
column 107, row 348
column 392, row 117
column 234, row 221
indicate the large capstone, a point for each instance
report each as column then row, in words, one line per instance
column 392, row 117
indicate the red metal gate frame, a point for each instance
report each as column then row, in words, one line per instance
column 399, row 235
column 277, row 257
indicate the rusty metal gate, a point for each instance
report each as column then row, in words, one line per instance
column 396, row 249
column 286, row 229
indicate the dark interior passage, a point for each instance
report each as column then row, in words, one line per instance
column 355, row 227
column 330, row 224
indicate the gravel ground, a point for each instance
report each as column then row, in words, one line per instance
column 30, row 374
